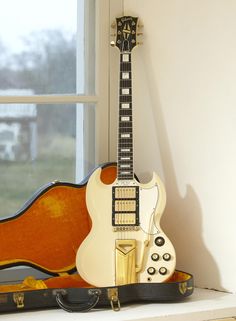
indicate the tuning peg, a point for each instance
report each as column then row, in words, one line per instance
column 112, row 43
column 113, row 34
column 139, row 33
column 113, row 25
column 139, row 43
column 140, row 26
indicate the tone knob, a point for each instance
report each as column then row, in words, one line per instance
column 166, row 257
column 159, row 241
column 155, row 257
column 151, row 270
column 163, row 270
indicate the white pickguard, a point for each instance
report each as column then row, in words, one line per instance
column 148, row 199
column 95, row 258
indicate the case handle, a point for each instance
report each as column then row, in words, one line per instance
column 78, row 307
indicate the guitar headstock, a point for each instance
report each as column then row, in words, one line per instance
column 126, row 33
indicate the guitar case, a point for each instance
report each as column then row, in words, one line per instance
column 45, row 234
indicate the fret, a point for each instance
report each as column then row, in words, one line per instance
column 124, row 129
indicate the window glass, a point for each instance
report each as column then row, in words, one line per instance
column 41, row 49
column 37, row 146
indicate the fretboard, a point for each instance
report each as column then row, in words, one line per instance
column 125, row 127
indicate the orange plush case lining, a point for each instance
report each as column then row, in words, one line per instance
column 48, row 232
column 68, row 281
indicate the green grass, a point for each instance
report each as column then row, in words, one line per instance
column 20, row 180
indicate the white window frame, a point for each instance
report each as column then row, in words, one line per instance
column 101, row 99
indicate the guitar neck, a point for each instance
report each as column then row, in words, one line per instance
column 125, row 124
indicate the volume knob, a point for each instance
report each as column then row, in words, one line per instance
column 151, row 270
column 163, row 270
column 166, row 257
column 155, row 256
column 159, row 241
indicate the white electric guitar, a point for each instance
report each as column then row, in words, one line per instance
column 126, row 243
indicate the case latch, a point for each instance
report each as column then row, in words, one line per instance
column 113, row 296
column 183, row 287
column 18, row 298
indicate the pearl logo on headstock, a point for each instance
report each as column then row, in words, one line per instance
column 126, row 31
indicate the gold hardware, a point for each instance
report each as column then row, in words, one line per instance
column 112, row 294
column 124, row 205
column 139, row 43
column 125, row 262
column 126, row 228
column 112, row 43
column 183, row 288
column 125, row 192
column 139, row 33
column 140, row 25
column 18, row 298
column 139, row 267
column 113, row 34
column 125, row 218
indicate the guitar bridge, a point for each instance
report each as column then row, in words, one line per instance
column 125, row 206
column 125, row 228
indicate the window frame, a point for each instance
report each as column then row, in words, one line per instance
column 100, row 99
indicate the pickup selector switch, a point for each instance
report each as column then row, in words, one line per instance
column 163, row 270
column 151, row 270
column 159, row 241
column 166, row 257
column 155, row 257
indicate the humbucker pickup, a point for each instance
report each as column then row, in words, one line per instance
column 125, row 206
column 125, row 192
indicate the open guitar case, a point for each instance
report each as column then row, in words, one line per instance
column 47, row 231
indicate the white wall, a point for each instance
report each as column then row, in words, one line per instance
column 184, row 94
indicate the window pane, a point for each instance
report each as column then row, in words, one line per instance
column 37, row 146
column 42, row 50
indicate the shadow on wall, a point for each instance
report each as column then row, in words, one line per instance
column 183, row 215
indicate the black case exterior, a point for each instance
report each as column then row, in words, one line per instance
column 84, row 299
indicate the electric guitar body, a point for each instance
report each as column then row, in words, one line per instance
column 126, row 243
column 124, row 247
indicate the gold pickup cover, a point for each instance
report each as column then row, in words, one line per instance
column 125, row 192
column 125, row 206
column 125, row 218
